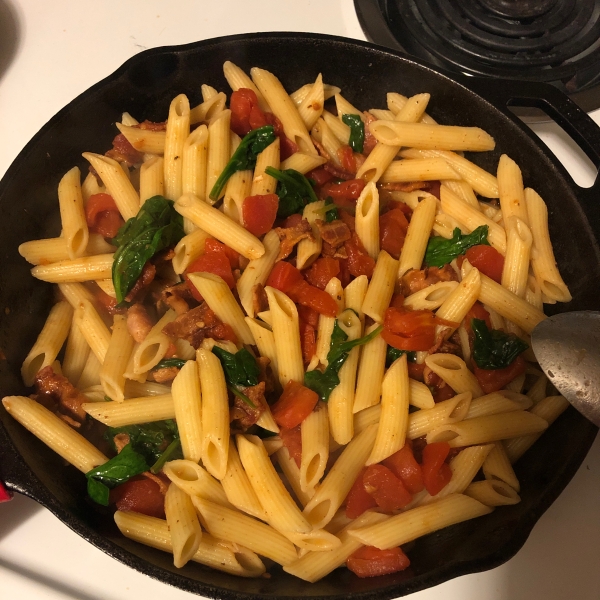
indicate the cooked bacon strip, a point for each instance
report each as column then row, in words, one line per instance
column 138, row 322
column 123, row 152
column 321, row 150
column 51, row 386
column 334, row 233
column 163, row 486
column 144, row 280
column 260, row 302
column 405, row 186
column 120, row 441
column 177, row 297
column 244, row 415
column 195, row 325
column 414, row 280
column 329, row 251
column 290, row 236
column 166, row 374
column 266, row 374
column 338, row 171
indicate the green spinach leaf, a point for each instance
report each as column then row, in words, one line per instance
column 245, row 156
column 441, row 251
column 148, row 439
column 357, row 131
column 324, row 382
column 294, row 191
column 240, row 368
column 127, row 464
column 172, row 452
column 331, row 210
column 169, row 362
column 494, row 349
column 156, row 226
column 394, row 353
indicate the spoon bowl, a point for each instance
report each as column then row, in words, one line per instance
column 567, row 346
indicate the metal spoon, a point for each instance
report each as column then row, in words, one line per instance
column 567, row 347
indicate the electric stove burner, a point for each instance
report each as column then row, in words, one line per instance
column 554, row 41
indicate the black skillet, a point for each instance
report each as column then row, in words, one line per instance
column 144, row 86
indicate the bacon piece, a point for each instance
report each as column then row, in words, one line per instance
column 321, row 150
column 370, row 141
column 242, row 413
column 166, row 374
column 143, row 281
column 405, row 186
column 138, row 322
column 266, row 374
column 290, row 236
column 260, row 302
column 338, row 171
column 51, row 386
column 120, row 441
column 161, row 481
column 195, row 325
column 152, row 126
column 417, row 280
column 123, row 152
column 334, row 233
column 329, row 251
column 177, row 297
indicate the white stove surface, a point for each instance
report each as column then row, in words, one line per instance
column 63, row 47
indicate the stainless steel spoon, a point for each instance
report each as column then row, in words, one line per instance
column 567, row 346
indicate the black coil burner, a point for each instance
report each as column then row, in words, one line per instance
column 555, row 41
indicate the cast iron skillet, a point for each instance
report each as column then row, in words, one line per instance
column 144, row 86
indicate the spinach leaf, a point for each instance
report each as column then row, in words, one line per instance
column 331, row 210
column 394, row 353
column 148, row 439
column 245, row 156
column 240, row 368
column 169, row 362
column 294, row 191
column 357, row 131
column 494, row 349
column 441, row 251
column 156, row 226
column 324, row 382
column 127, row 464
column 172, row 452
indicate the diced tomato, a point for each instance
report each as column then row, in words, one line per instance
column 434, row 188
column 404, row 465
column 397, row 302
column 409, row 330
column 287, row 147
column 436, row 472
column 308, row 341
column 392, row 231
column 241, row 103
column 416, row 371
column 346, row 157
column 358, row 499
column 345, row 193
column 102, row 215
column 222, row 331
column 311, row 296
column 284, row 276
column 259, row 212
column 292, row 440
column 359, row 261
column 212, row 245
column 348, row 219
column 215, row 262
column 492, row 380
column 308, row 315
column 292, row 221
column 369, row 561
column 387, row 489
column 488, row 260
column 321, row 271
column 405, row 208
column 141, row 495
column 294, row 405
column 319, row 176
column 477, row 311
column 345, row 276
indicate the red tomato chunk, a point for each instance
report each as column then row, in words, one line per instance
column 404, row 465
column 358, row 499
column 492, row 380
column 294, row 405
column 102, row 215
column 140, row 495
column 488, row 260
column 259, row 212
column 387, row 490
column 436, row 472
column 369, row 561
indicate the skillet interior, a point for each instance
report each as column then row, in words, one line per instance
column 144, row 86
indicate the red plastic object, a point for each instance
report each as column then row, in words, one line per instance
column 5, row 495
